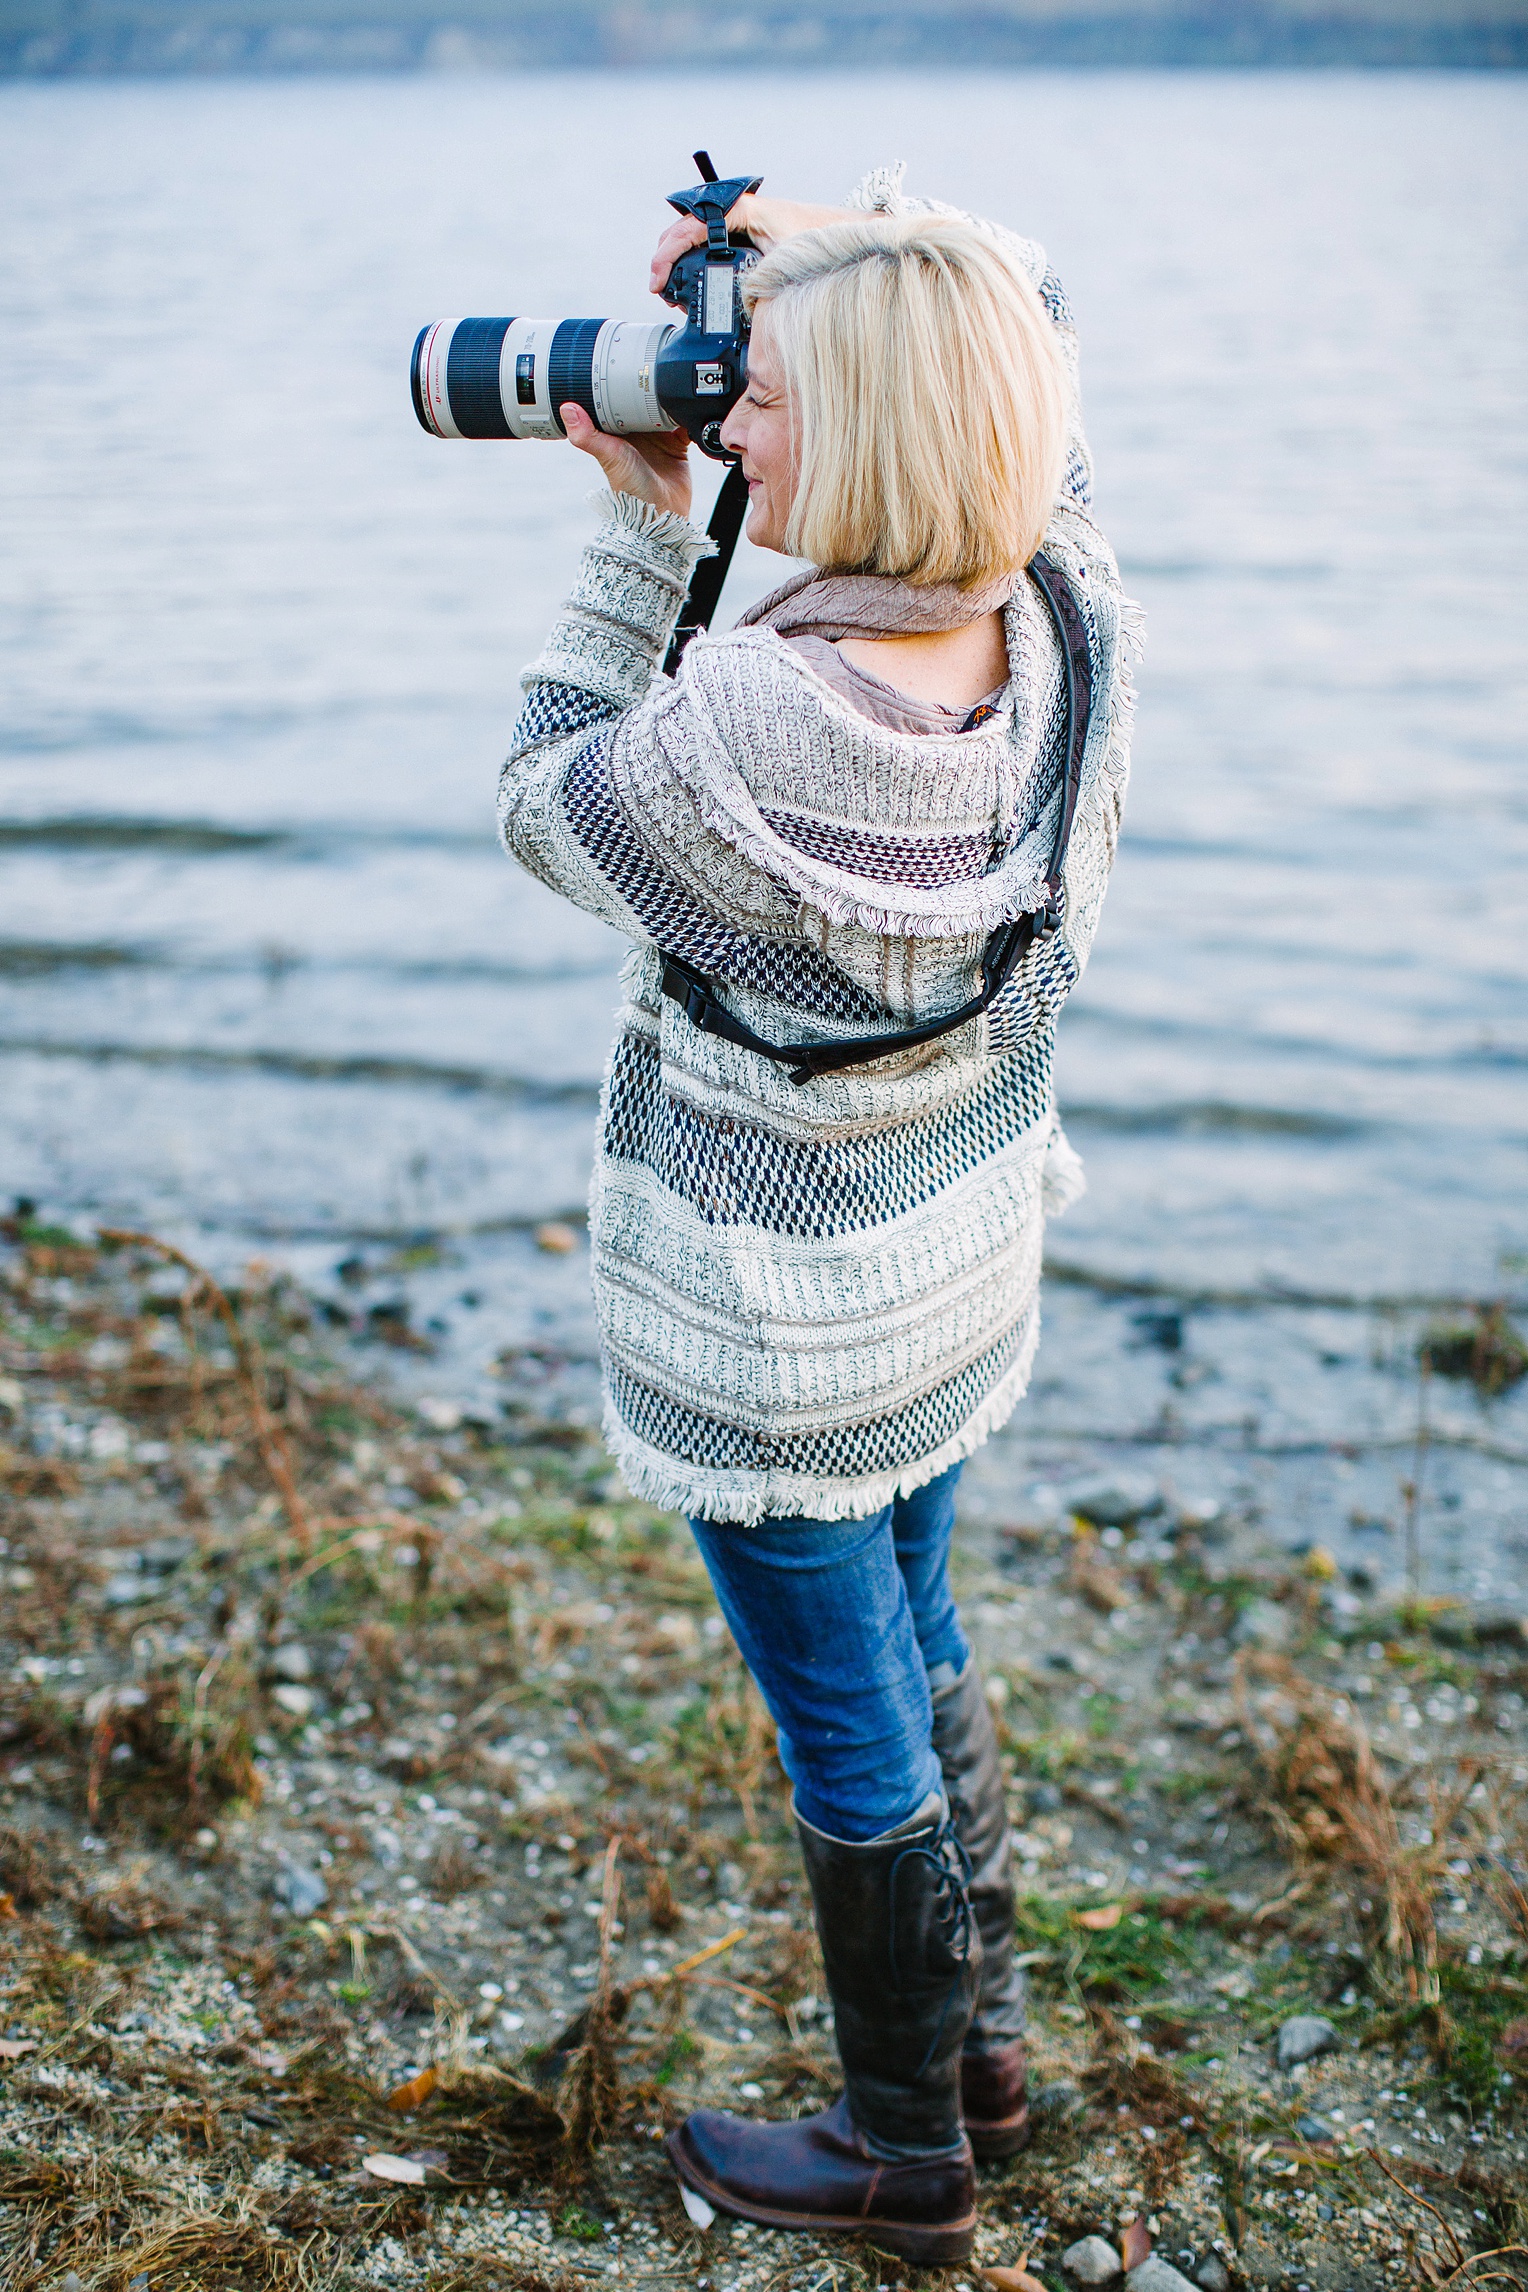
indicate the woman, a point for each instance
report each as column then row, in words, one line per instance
column 817, row 1295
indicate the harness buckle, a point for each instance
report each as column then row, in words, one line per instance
column 692, row 998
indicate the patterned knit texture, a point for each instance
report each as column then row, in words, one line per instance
column 812, row 1299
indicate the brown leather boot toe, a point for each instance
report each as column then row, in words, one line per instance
column 994, row 2101
column 818, row 2173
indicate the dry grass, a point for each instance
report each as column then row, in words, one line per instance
column 1502, row 1850
column 1489, row 1351
column 1340, row 1815
column 485, row 2271
column 454, row 1621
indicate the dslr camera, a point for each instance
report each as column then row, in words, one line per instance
column 507, row 377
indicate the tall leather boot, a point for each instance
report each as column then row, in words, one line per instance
column 993, row 2076
column 890, row 2159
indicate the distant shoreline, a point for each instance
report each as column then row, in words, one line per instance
column 39, row 39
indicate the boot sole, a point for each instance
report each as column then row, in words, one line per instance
column 933, row 2246
column 990, row 2144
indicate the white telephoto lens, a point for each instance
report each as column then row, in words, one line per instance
column 434, row 399
column 623, row 374
column 509, row 377
column 524, row 379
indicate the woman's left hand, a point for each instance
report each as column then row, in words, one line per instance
column 654, row 466
column 764, row 222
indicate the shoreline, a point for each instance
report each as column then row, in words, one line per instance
column 330, row 1734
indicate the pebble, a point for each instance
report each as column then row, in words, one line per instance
column 1304, row 2036
column 556, row 1239
column 1058, row 2101
column 440, row 1415
column 292, row 1662
column 122, row 1591
column 1212, row 2274
column 1157, row 2276
column 1496, row 1623
column 303, row 1891
column 1111, row 1499
column 1091, row 2261
column 1262, row 1623
column 295, row 1701
column 1313, row 2129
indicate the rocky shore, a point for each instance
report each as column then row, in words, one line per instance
column 392, row 1847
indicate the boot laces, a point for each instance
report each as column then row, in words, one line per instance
column 946, row 1856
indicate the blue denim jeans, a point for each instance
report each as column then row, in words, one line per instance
column 841, row 1622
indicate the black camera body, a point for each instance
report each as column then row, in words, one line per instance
column 507, row 377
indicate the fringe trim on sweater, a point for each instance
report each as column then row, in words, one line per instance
column 666, row 526
column 742, row 1498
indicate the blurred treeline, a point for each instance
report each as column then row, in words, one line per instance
column 49, row 38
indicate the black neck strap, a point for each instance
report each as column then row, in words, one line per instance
column 1009, row 943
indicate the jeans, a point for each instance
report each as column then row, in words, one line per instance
column 840, row 1623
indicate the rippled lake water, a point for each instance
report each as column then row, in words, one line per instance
column 265, row 977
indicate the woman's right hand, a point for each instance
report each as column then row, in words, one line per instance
column 655, row 466
column 763, row 221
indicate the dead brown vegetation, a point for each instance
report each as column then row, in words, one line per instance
column 1341, row 1816
column 463, row 1638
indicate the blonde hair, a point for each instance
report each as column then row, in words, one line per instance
column 927, row 394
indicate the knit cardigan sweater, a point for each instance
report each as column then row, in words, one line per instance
column 815, row 1298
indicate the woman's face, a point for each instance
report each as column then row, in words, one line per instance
column 759, row 430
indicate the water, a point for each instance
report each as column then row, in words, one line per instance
column 265, row 979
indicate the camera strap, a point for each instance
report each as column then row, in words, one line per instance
column 1008, row 944
column 704, row 593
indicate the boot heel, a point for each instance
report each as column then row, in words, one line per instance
column 927, row 2247
column 991, row 2147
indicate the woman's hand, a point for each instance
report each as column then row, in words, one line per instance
column 654, row 466
column 764, row 221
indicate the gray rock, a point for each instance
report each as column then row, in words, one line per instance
column 1091, row 2262
column 292, row 1662
column 1212, row 2274
column 1303, row 2036
column 302, row 1890
column 1262, row 1623
column 1313, row 2129
column 130, row 1591
column 1155, row 2275
column 1056, row 2103
column 165, row 1553
column 1111, row 1499
column 1489, row 1623
column 1495, row 1623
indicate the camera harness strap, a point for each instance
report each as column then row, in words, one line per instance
column 1009, row 943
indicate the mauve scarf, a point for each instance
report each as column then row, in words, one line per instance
column 871, row 605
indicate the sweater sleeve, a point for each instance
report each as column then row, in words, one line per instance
column 598, row 663
column 880, row 193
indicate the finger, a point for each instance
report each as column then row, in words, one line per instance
column 583, row 433
column 589, row 438
column 625, row 470
column 687, row 232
